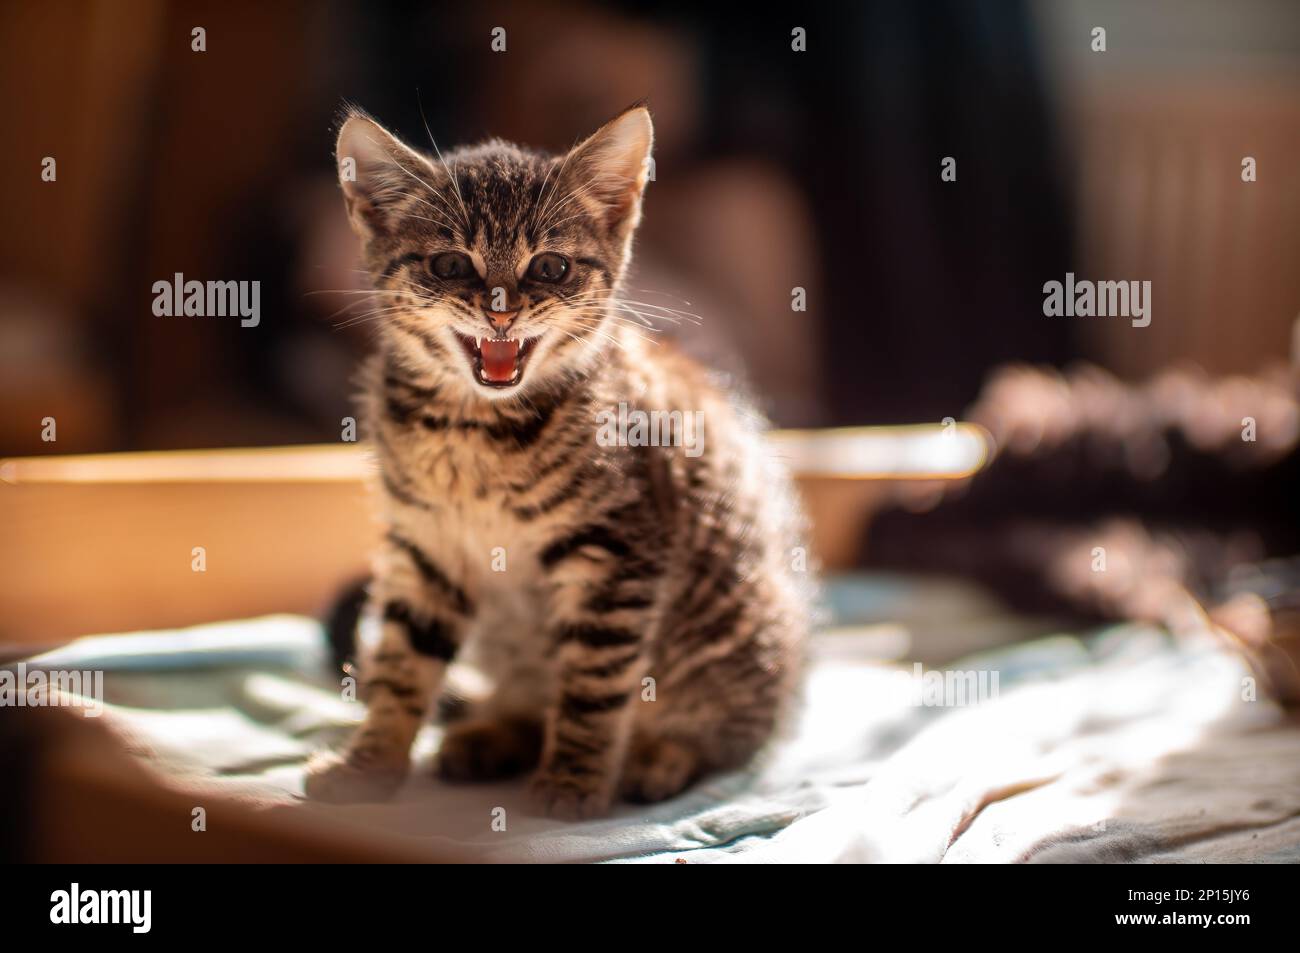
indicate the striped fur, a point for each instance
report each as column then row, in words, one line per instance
column 648, row 625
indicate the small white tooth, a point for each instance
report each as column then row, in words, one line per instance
column 478, row 343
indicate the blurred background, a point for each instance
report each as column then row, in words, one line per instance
column 775, row 169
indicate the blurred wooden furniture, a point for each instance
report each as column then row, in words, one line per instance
column 113, row 542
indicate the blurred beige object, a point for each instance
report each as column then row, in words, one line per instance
column 117, row 542
column 1270, row 641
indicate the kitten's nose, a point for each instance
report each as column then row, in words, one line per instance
column 501, row 320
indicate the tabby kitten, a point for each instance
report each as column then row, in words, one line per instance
column 634, row 607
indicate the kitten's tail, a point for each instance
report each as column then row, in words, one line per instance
column 341, row 621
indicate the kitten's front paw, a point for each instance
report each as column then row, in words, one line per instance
column 566, row 797
column 336, row 779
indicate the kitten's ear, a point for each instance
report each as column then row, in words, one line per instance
column 612, row 166
column 375, row 168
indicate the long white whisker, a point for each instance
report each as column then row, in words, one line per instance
column 454, row 184
column 558, row 175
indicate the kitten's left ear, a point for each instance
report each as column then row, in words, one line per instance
column 612, row 166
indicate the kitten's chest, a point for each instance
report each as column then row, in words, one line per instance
column 464, row 468
column 471, row 495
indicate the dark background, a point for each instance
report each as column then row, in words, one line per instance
column 774, row 169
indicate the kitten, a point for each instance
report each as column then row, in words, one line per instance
column 634, row 606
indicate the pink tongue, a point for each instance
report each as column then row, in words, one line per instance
column 499, row 359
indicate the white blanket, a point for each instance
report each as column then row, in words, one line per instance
column 1127, row 747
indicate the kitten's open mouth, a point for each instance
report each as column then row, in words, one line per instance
column 497, row 362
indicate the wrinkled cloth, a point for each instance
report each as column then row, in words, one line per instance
column 1125, row 747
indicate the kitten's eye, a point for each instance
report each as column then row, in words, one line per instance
column 451, row 266
column 548, row 266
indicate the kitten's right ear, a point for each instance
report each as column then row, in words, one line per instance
column 375, row 168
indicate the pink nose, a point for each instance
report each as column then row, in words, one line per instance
column 502, row 319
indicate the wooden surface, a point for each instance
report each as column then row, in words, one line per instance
column 105, row 543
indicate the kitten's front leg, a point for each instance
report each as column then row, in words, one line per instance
column 423, row 614
column 601, row 637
